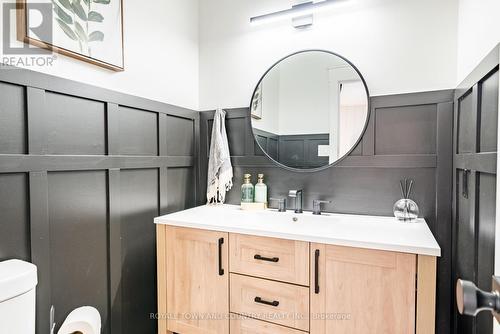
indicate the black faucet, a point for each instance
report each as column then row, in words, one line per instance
column 281, row 203
column 297, row 194
column 317, row 206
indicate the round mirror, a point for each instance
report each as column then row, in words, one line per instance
column 309, row 110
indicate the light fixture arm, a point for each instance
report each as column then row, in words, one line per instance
column 296, row 10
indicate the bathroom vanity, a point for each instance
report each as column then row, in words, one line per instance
column 225, row 270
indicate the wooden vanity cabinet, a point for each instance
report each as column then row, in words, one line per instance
column 362, row 291
column 197, row 281
column 220, row 283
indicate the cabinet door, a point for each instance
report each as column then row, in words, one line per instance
column 359, row 291
column 197, row 281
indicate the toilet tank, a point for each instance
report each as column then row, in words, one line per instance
column 18, row 280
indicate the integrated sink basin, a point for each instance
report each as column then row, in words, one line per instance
column 373, row 232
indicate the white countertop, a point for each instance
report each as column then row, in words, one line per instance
column 373, row 232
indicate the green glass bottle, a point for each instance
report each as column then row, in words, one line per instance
column 261, row 190
column 247, row 190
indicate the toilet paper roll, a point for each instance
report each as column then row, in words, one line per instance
column 85, row 320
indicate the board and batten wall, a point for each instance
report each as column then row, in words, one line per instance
column 83, row 172
column 408, row 136
column 475, row 175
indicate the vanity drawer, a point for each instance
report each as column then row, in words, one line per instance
column 242, row 325
column 276, row 302
column 277, row 259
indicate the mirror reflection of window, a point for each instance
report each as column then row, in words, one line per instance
column 352, row 114
column 313, row 110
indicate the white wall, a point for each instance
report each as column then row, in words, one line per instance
column 304, row 94
column 478, row 33
column 161, row 54
column 399, row 46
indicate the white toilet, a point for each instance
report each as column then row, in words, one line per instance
column 18, row 280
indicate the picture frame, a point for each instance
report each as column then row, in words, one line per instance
column 256, row 108
column 88, row 30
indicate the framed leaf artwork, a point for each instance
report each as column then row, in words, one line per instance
column 88, row 30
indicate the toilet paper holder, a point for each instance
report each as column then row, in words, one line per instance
column 52, row 321
column 95, row 327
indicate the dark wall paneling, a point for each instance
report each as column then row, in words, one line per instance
column 79, row 242
column 36, row 124
column 272, row 147
column 474, row 195
column 464, row 242
column 13, row 139
column 263, row 142
column 137, row 132
column 465, row 229
column 443, row 230
column 352, row 190
column 366, row 182
column 358, row 150
column 14, row 217
column 75, row 125
column 139, row 205
column 180, row 178
column 83, row 172
column 237, row 147
column 40, row 246
column 301, row 151
column 467, row 119
column 181, row 136
column 115, row 250
column 488, row 118
column 413, row 130
column 293, row 152
column 486, row 213
column 267, row 140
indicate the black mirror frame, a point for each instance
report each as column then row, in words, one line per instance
column 368, row 116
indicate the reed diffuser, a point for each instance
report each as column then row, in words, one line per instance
column 406, row 209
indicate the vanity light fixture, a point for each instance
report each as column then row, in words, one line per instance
column 301, row 14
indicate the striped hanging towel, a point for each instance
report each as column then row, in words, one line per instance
column 220, row 170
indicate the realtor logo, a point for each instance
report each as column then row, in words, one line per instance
column 37, row 24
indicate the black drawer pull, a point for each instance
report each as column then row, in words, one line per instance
column 221, row 271
column 262, row 258
column 316, row 271
column 261, row 301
